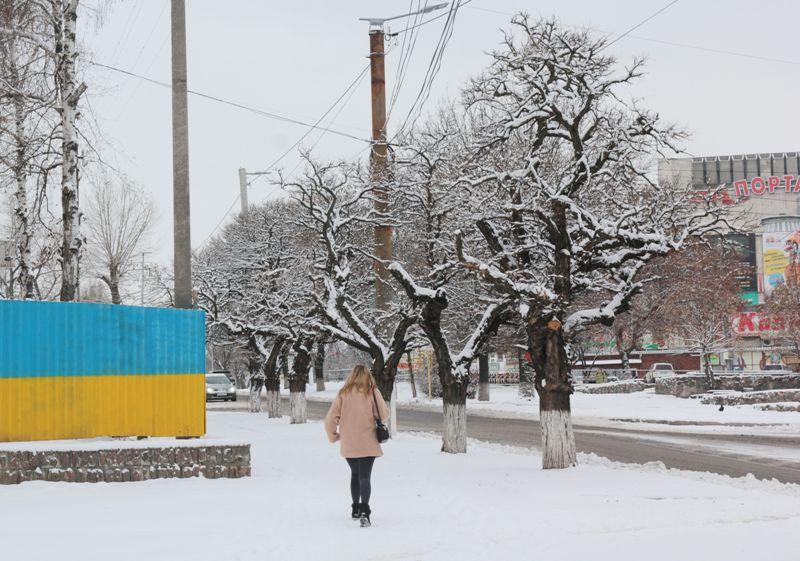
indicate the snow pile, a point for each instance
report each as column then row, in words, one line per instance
column 492, row 503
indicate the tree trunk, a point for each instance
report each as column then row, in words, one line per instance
column 255, row 394
column 272, row 380
column 112, row 281
column 319, row 366
column 298, row 380
column 297, row 402
column 483, row 377
column 526, row 377
column 625, row 360
column 546, row 344
column 411, row 376
column 454, row 398
column 709, row 372
column 284, row 369
column 69, row 93
column 274, row 401
column 21, row 224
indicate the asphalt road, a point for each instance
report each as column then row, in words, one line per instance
column 684, row 450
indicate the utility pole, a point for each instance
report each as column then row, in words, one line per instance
column 141, row 285
column 180, row 160
column 243, row 190
column 378, row 157
column 383, row 232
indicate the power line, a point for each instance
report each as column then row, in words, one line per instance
column 641, row 23
column 349, row 89
column 433, row 67
column 664, row 42
column 260, row 112
column 426, row 22
column 150, row 35
column 405, row 58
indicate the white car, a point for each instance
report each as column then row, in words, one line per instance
column 659, row 370
column 219, row 386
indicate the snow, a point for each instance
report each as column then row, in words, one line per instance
column 611, row 409
column 492, row 503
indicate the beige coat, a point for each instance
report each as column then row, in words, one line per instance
column 351, row 420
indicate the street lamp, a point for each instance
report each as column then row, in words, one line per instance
column 377, row 23
column 378, row 160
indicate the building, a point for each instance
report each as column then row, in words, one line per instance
column 764, row 193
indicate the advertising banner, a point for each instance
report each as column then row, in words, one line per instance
column 745, row 248
column 781, row 257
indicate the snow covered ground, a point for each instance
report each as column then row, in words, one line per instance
column 608, row 409
column 492, row 503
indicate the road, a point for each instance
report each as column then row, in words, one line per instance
column 715, row 453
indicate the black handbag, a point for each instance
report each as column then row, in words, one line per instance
column 381, row 430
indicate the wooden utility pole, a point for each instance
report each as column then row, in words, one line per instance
column 378, row 167
column 180, row 160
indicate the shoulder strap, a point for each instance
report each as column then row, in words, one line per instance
column 375, row 400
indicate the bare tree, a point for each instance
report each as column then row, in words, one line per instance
column 568, row 208
column 704, row 297
column 783, row 309
column 119, row 218
column 27, row 129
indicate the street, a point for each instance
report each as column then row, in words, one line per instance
column 676, row 449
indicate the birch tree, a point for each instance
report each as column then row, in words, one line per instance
column 27, row 131
column 64, row 19
column 561, row 156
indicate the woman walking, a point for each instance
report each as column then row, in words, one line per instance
column 351, row 421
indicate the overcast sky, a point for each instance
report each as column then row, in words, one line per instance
column 296, row 58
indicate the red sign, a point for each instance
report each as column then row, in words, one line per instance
column 754, row 324
column 760, row 185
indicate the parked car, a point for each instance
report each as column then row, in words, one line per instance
column 219, row 386
column 659, row 370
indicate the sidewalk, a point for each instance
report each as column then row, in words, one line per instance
column 493, row 503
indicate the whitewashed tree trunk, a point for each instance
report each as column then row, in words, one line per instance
column 69, row 93
column 558, row 439
column 255, row 398
column 454, row 435
column 297, row 408
column 274, row 404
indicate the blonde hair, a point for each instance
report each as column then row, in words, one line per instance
column 361, row 379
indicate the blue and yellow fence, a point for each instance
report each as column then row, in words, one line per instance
column 75, row 370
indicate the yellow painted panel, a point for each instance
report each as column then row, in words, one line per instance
column 60, row 407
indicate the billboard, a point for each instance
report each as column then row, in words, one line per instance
column 781, row 258
column 744, row 246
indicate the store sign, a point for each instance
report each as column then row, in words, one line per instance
column 755, row 324
column 781, row 258
column 761, row 185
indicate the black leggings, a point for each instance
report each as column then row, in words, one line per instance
column 360, row 473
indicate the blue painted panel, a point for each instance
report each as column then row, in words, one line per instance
column 80, row 339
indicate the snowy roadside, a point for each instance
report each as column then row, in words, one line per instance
column 492, row 503
column 645, row 410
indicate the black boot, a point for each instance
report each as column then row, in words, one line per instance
column 364, row 512
column 356, row 513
